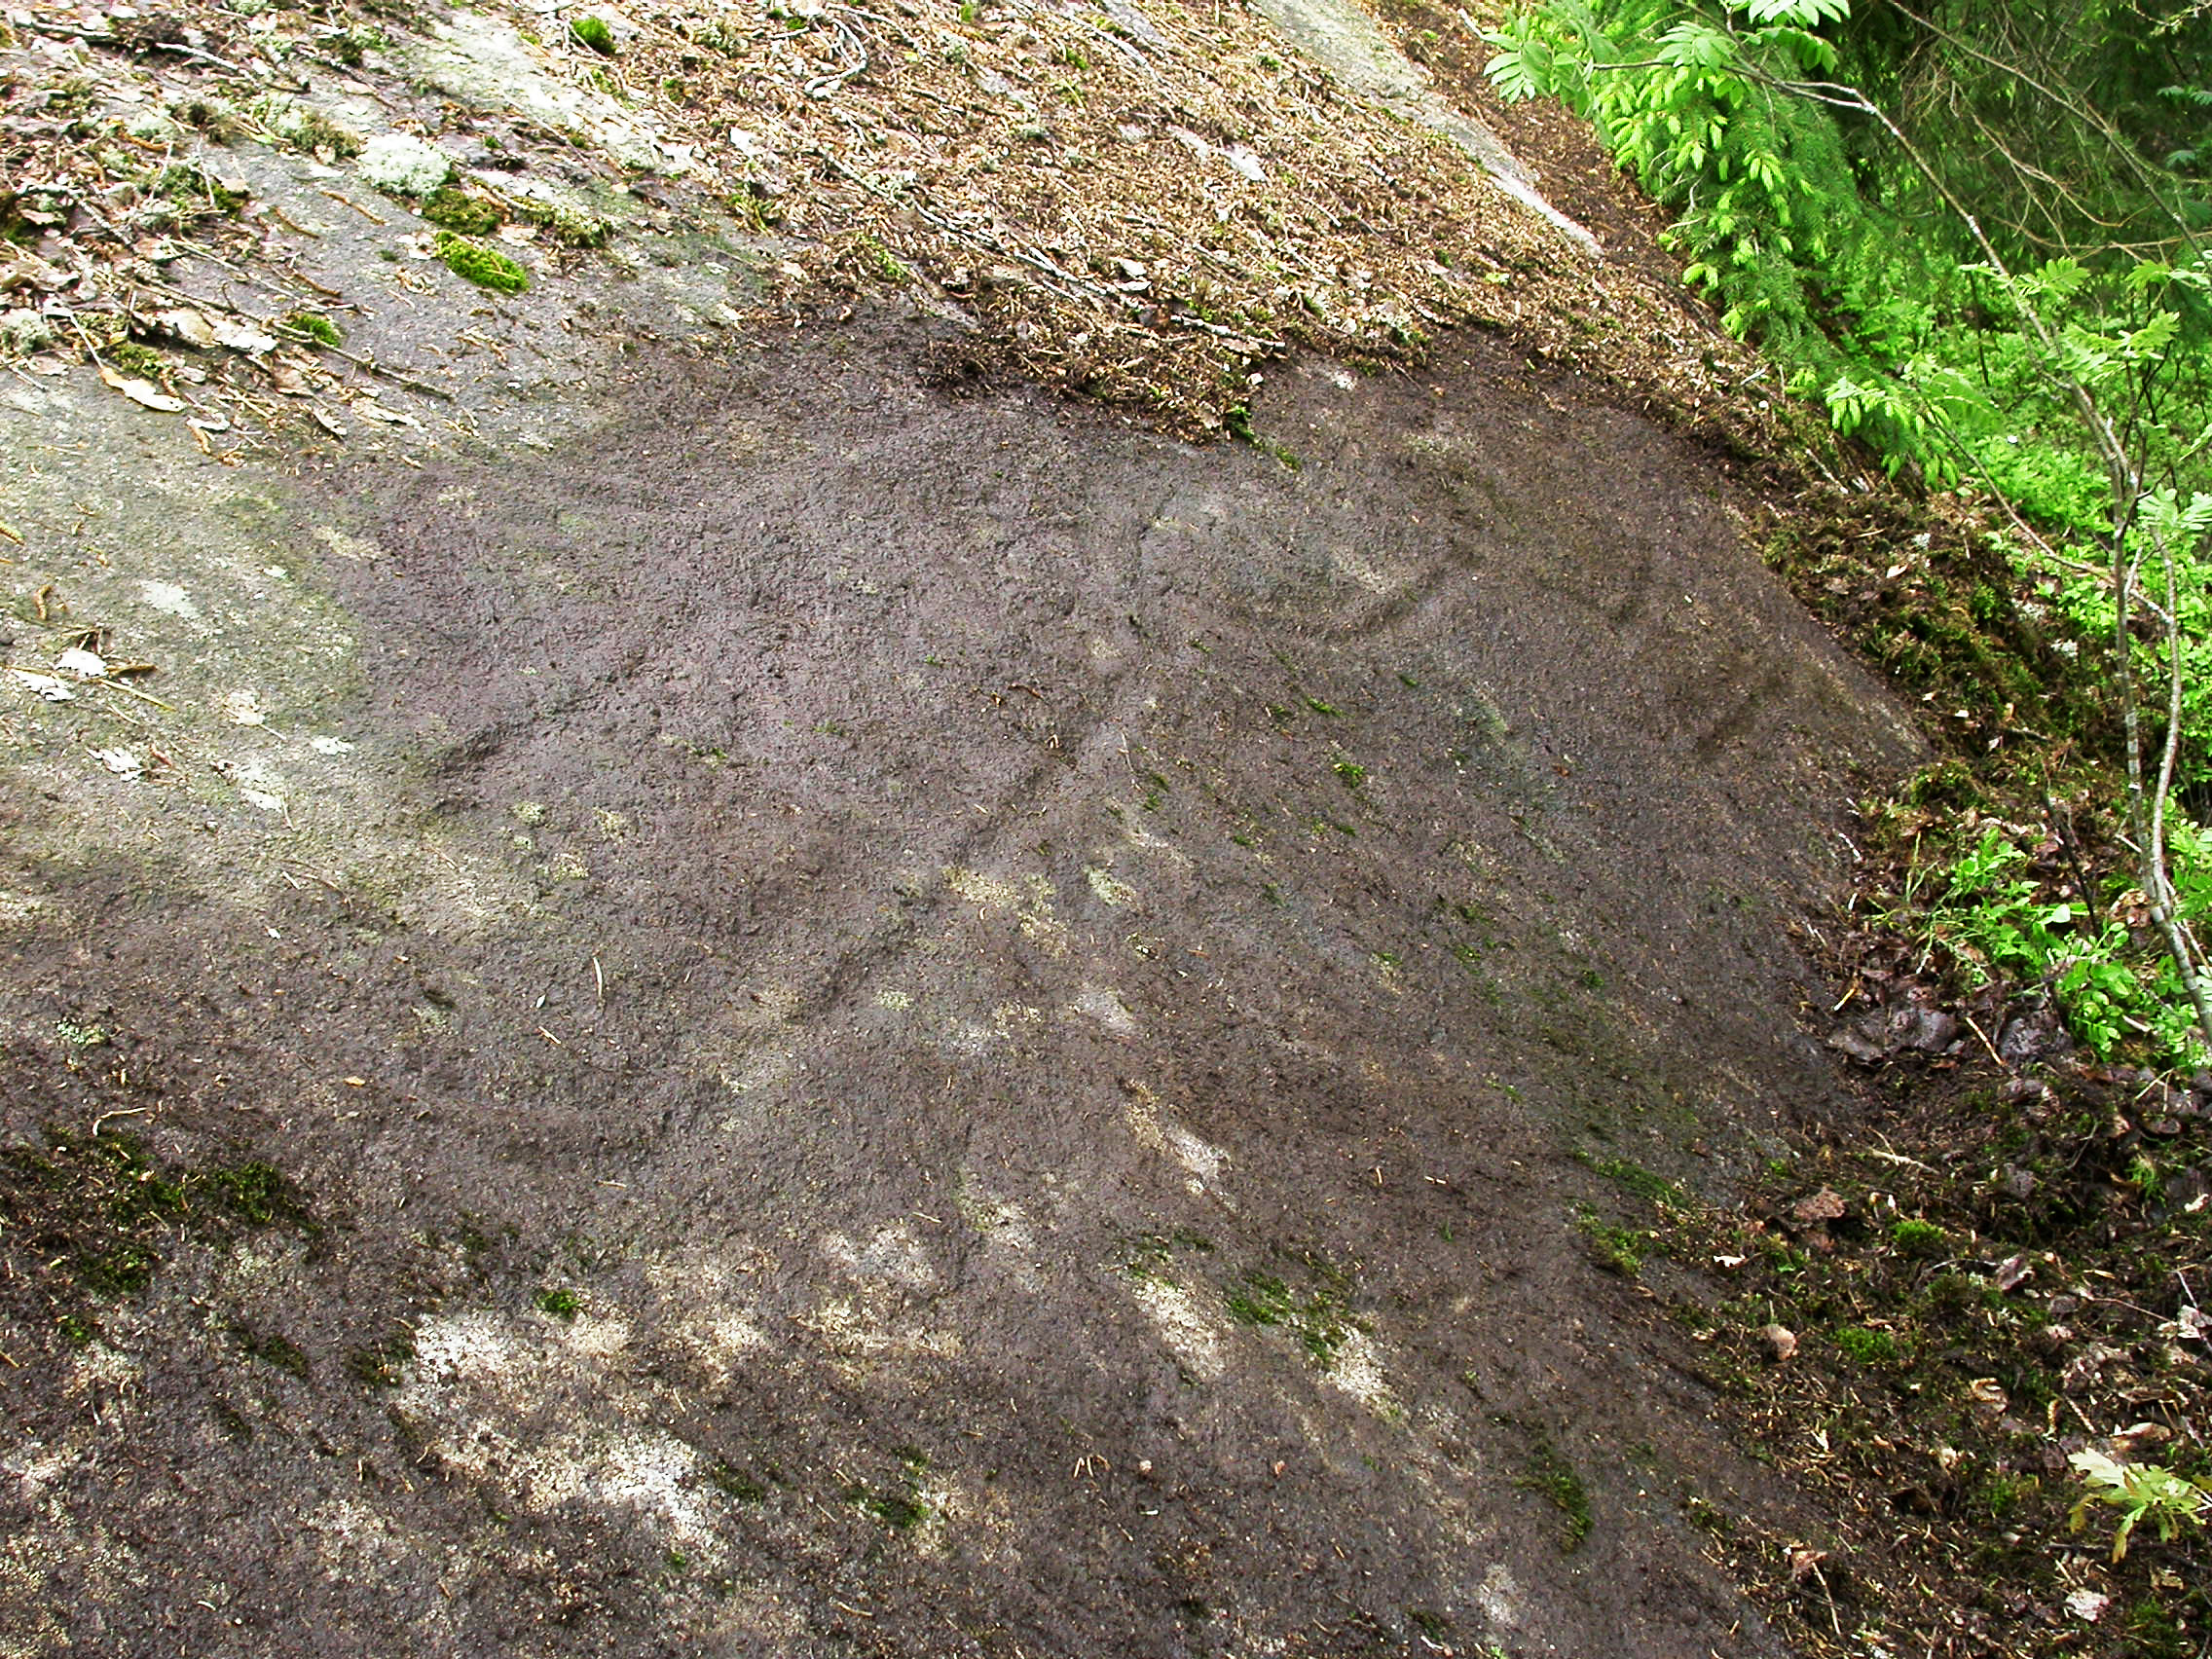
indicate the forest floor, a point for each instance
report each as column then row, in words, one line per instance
column 695, row 966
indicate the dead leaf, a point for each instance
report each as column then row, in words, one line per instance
column 143, row 392
column 1826, row 1205
column 44, row 684
column 188, row 325
column 84, row 664
column 29, row 270
column 242, row 336
column 1989, row 1400
column 369, row 409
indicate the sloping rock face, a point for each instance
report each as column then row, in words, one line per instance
column 831, row 1017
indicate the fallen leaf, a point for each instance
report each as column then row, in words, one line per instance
column 44, row 684
column 143, row 392
column 188, row 325
column 2088, row 1604
column 369, row 409
column 243, row 336
column 1826, row 1205
column 28, row 270
column 323, row 420
column 120, row 762
column 84, row 664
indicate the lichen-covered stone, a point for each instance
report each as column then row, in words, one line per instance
column 404, row 165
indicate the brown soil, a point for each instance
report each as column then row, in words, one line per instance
column 1038, row 1100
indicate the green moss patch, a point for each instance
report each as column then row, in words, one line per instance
column 462, row 211
column 316, row 326
column 85, row 1219
column 485, row 267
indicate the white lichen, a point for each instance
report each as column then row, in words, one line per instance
column 402, row 165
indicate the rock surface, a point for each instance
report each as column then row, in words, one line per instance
column 902, row 1022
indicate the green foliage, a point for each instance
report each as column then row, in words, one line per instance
column 1847, row 255
column 1993, row 921
column 1770, row 220
column 132, row 358
column 2140, row 1492
column 596, row 33
column 881, row 262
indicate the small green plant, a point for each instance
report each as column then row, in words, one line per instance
column 1919, row 1238
column 460, row 211
column 1550, row 1474
column 734, row 1483
column 1866, row 1346
column 1320, row 1320
column 132, row 358
column 2140, row 1492
column 1351, row 774
column 882, row 261
column 383, row 1365
column 316, row 326
column 313, row 131
column 1987, row 916
column 485, row 267
column 271, row 1349
column 594, row 33
column 1616, row 1249
column 561, row 1304
column 900, row 1511
column 1635, row 1178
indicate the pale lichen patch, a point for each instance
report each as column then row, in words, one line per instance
column 1104, row 1005
column 1190, row 1335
